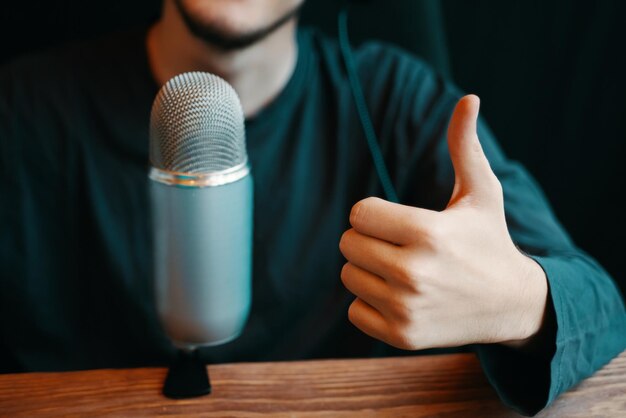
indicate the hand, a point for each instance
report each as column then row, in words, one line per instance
column 428, row 279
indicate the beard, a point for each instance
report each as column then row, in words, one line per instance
column 226, row 41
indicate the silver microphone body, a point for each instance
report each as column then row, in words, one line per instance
column 201, row 193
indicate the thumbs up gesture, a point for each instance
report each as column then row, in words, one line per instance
column 426, row 279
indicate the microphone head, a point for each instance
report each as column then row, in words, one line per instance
column 197, row 125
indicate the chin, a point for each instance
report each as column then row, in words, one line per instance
column 233, row 18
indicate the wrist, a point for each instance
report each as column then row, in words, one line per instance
column 532, row 303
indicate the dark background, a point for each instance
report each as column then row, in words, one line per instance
column 551, row 76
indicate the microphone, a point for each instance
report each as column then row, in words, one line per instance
column 201, row 194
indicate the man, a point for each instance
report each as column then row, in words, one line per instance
column 473, row 256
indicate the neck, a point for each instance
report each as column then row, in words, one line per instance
column 257, row 73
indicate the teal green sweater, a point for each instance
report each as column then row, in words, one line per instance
column 75, row 242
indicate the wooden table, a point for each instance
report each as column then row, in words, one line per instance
column 444, row 385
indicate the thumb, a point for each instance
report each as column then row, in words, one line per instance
column 473, row 175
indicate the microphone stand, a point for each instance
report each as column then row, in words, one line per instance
column 187, row 377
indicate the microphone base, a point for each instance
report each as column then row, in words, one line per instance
column 187, row 377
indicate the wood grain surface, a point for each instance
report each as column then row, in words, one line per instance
column 421, row 386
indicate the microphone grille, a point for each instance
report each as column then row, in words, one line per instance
column 197, row 125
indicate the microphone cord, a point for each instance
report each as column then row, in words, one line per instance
column 361, row 106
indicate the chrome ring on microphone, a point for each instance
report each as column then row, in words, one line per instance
column 216, row 178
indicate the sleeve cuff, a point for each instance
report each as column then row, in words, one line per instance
column 587, row 331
